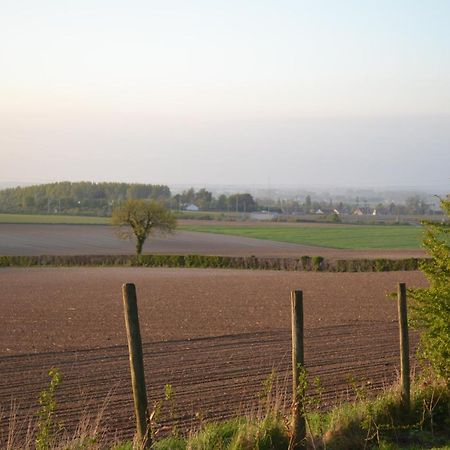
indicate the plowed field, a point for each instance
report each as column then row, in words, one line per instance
column 215, row 335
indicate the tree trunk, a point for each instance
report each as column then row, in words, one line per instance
column 139, row 245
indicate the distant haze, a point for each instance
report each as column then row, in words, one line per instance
column 297, row 93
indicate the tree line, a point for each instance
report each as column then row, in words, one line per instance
column 100, row 199
column 205, row 201
column 414, row 205
column 77, row 198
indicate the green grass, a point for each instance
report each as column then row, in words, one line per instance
column 53, row 219
column 366, row 423
column 334, row 236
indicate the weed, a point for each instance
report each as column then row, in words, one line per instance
column 46, row 425
column 267, row 387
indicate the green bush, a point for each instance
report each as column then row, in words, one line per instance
column 317, row 263
column 306, row 262
column 381, row 422
column 382, row 265
column 430, row 309
column 47, row 427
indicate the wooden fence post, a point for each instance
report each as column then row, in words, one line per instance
column 298, row 437
column 136, row 365
column 404, row 347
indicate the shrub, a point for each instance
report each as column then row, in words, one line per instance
column 306, row 262
column 47, row 427
column 317, row 263
column 430, row 311
column 381, row 422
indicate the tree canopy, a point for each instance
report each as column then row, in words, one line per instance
column 430, row 310
column 77, row 197
column 140, row 219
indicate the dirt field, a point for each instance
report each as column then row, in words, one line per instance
column 25, row 239
column 215, row 335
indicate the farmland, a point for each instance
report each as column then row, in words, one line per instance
column 318, row 235
column 332, row 236
column 39, row 239
column 52, row 219
column 214, row 335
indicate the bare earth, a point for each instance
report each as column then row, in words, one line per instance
column 26, row 239
column 215, row 335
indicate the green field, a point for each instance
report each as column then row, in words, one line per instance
column 334, row 236
column 53, row 219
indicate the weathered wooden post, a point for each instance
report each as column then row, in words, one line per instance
column 298, row 437
column 404, row 347
column 136, row 365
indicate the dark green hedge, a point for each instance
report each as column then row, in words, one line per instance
column 303, row 263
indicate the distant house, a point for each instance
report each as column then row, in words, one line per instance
column 191, row 207
column 364, row 211
column 319, row 211
column 336, row 211
column 263, row 215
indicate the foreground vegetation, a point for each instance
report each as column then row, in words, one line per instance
column 431, row 306
column 364, row 423
column 334, row 236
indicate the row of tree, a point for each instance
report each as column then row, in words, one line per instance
column 205, row 201
column 100, row 199
column 77, row 198
column 414, row 205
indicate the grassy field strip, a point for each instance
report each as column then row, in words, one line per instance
column 338, row 236
column 53, row 219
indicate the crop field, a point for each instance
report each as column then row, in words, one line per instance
column 332, row 236
column 40, row 239
column 214, row 335
column 52, row 219
column 318, row 235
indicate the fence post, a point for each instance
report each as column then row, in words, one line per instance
column 404, row 347
column 298, row 437
column 136, row 365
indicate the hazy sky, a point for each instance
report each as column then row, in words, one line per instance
column 177, row 92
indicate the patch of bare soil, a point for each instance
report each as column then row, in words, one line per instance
column 215, row 335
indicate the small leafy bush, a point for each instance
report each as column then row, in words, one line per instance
column 47, row 427
column 430, row 309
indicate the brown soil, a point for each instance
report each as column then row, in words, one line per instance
column 25, row 239
column 215, row 335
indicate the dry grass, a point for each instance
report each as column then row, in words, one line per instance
column 89, row 433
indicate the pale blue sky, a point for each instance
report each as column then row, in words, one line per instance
column 226, row 92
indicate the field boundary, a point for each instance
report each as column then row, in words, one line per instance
column 302, row 263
